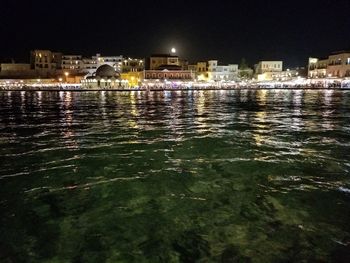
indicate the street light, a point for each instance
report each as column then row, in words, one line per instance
column 66, row 74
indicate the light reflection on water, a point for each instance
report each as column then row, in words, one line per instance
column 175, row 176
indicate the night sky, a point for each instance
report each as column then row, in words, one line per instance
column 200, row 30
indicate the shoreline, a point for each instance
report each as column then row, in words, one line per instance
column 173, row 89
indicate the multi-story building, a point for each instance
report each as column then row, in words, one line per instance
column 158, row 60
column 114, row 61
column 339, row 64
column 77, row 64
column 167, row 67
column 202, row 67
column 45, row 60
column 269, row 66
column 72, row 62
column 200, row 70
column 336, row 65
column 222, row 73
column 88, row 65
column 133, row 65
column 317, row 67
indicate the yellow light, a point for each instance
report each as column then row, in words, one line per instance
column 66, row 74
column 173, row 50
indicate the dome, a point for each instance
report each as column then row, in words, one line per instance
column 106, row 71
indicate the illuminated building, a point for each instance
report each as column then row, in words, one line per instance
column 45, row 60
column 279, row 75
column 77, row 65
column 169, row 74
column 133, row 78
column 132, row 65
column 71, row 62
column 88, row 65
column 158, row 60
column 200, row 70
column 270, row 70
column 317, row 67
column 337, row 65
column 14, row 67
column 167, row 67
column 269, row 66
column 113, row 61
column 105, row 77
column 222, row 73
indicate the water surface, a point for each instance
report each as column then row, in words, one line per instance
column 175, row 176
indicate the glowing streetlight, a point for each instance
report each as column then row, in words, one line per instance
column 173, row 50
column 66, row 74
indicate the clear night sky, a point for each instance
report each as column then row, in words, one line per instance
column 226, row 30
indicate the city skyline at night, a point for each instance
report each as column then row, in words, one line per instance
column 287, row 30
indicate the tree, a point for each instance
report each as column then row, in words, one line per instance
column 243, row 65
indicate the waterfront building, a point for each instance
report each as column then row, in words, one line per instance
column 132, row 65
column 336, row 65
column 175, row 73
column 105, row 77
column 88, row 66
column 77, row 65
column 16, row 71
column 221, row 73
column 113, row 61
column 269, row 66
column 288, row 74
column 200, row 70
column 270, row 70
column 45, row 60
column 202, row 67
column 133, row 78
column 339, row 64
column 317, row 68
column 166, row 67
column 72, row 62
column 160, row 60
column 14, row 67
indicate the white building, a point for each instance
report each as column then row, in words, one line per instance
column 114, row 61
column 317, row 68
column 79, row 64
column 71, row 62
column 269, row 66
column 222, row 73
column 88, row 66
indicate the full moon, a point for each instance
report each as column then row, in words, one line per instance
column 173, row 50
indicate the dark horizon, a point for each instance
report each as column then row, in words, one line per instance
column 290, row 31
